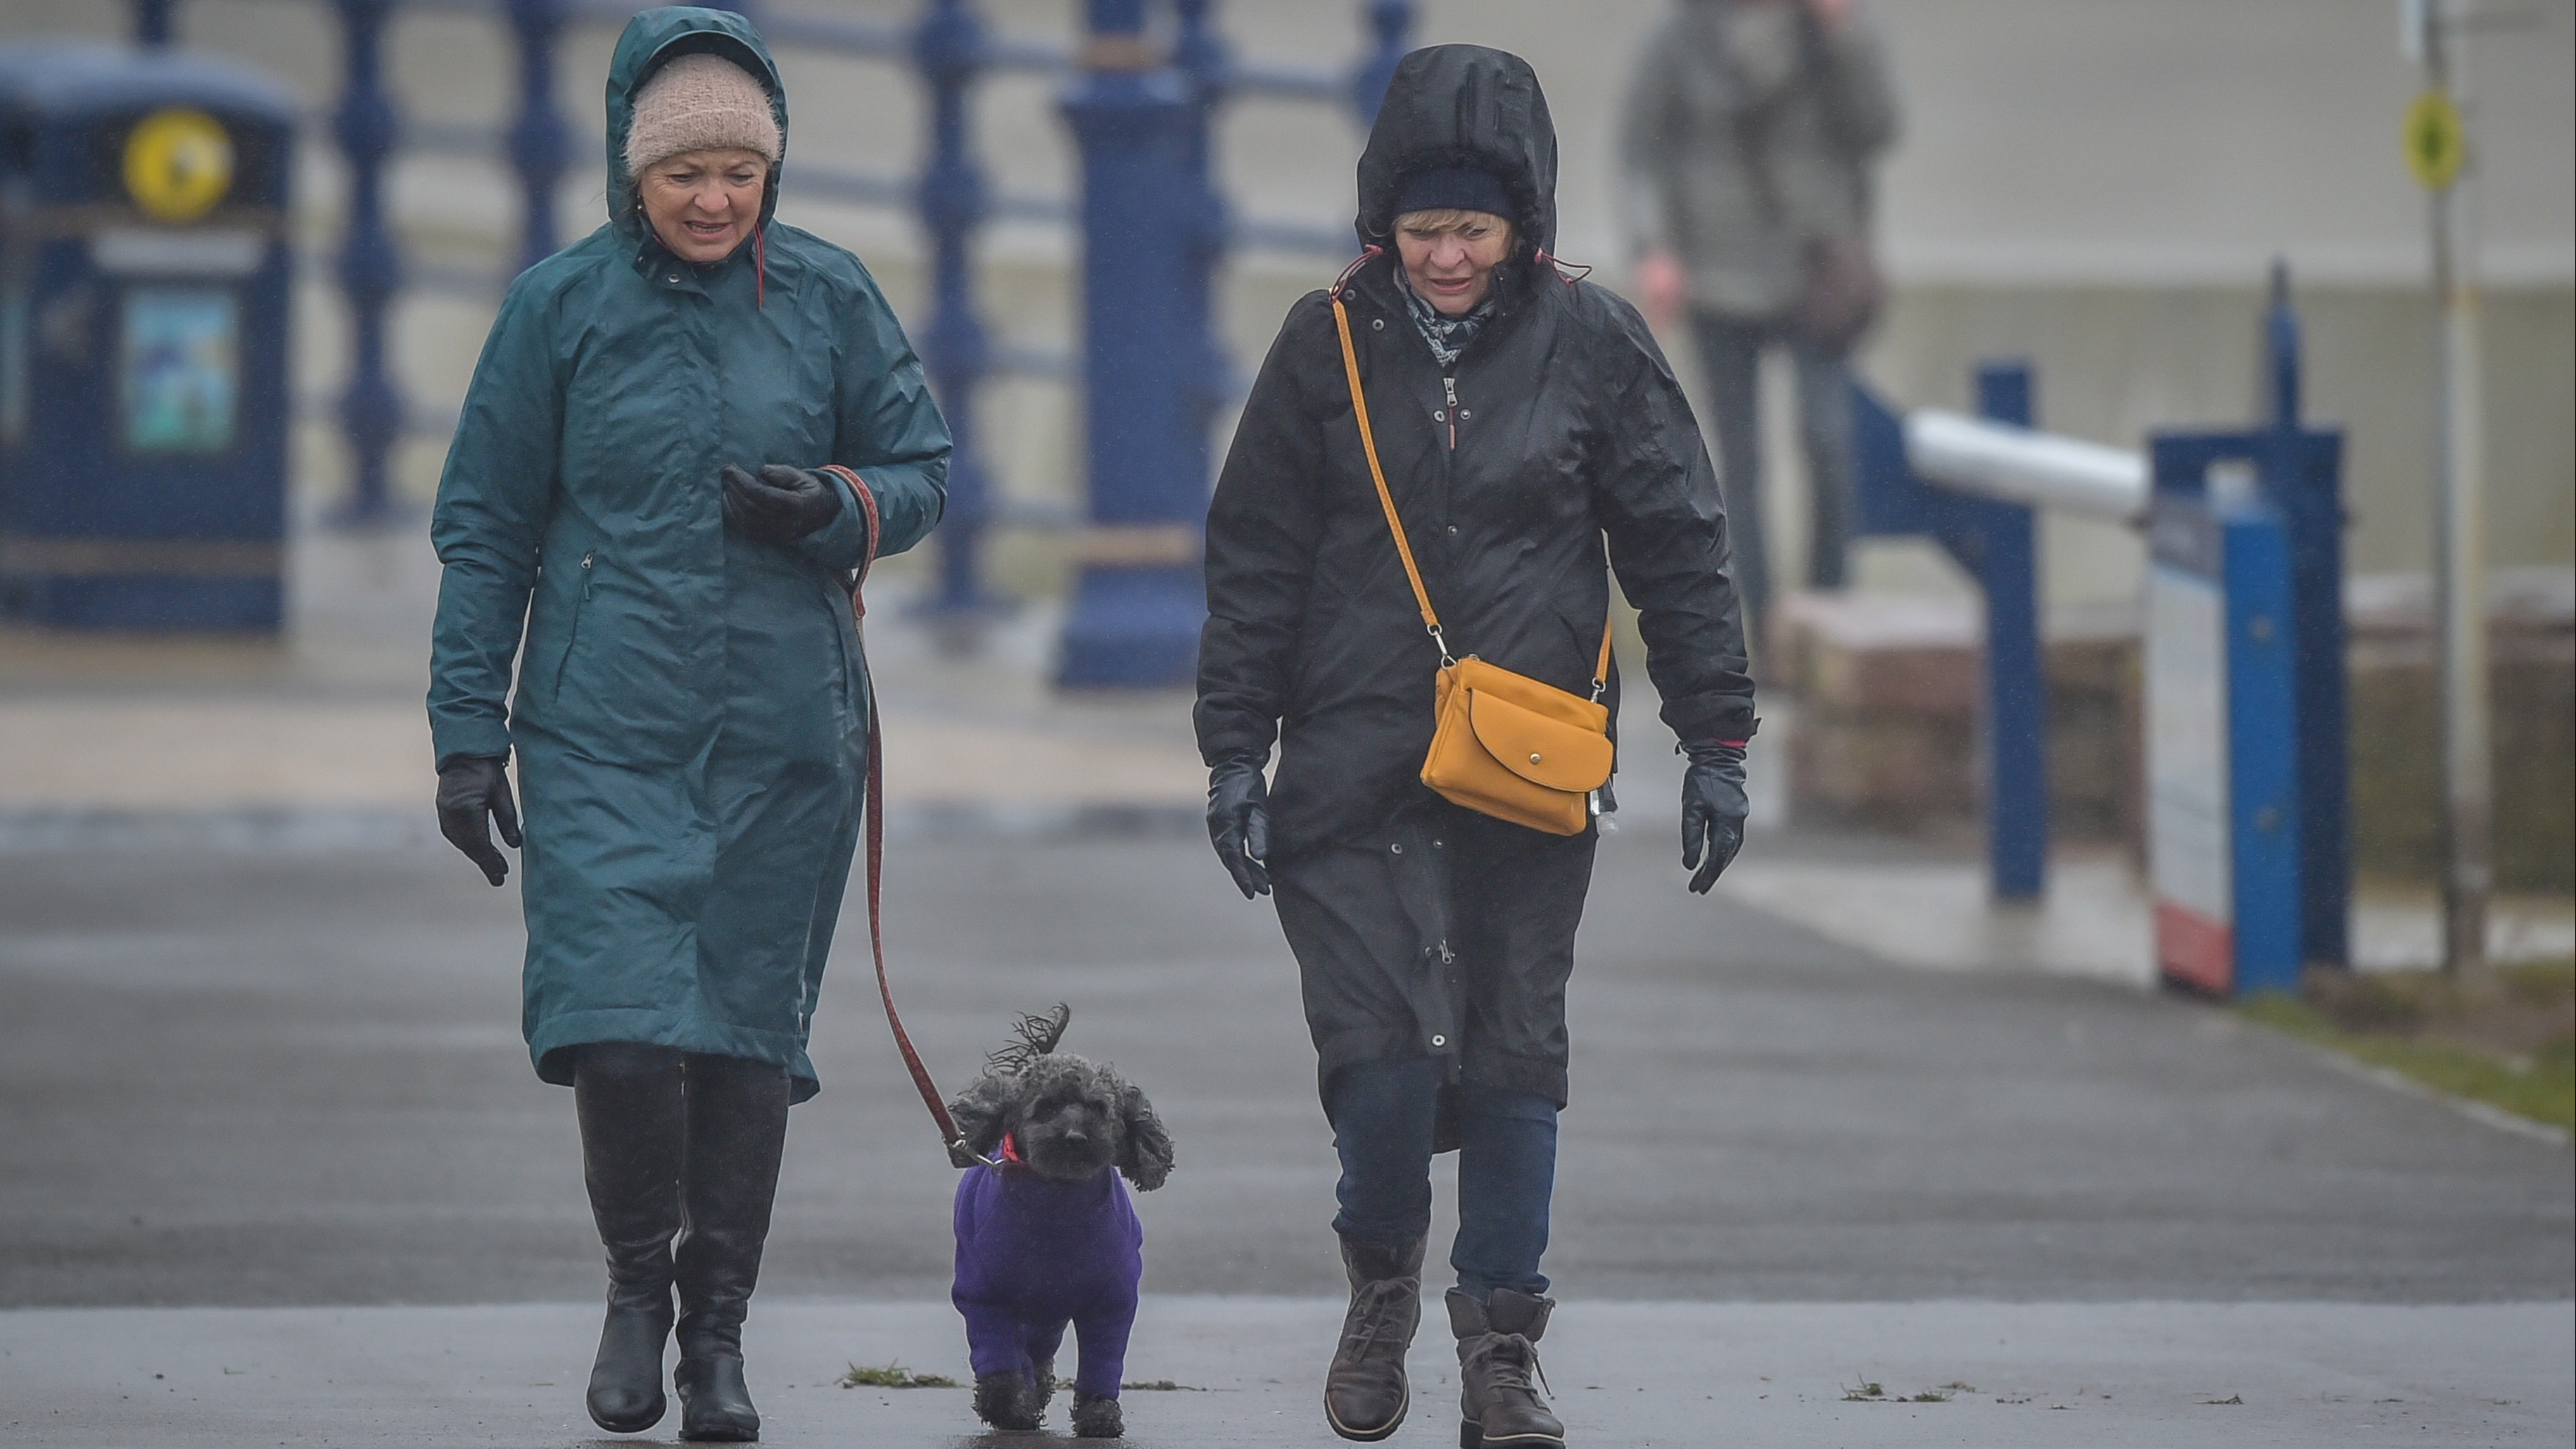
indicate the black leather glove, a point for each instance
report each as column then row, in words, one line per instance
column 468, row 790
column 1239, row 823
column 1713, row 810
column 779, row 504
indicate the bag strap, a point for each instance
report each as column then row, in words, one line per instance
column 875, row 812
column 1377, row 475
column 1395, row 523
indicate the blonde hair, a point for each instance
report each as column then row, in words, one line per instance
column 1447, row 219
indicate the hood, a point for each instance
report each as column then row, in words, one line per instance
column 1462, row 105
column 657, row 37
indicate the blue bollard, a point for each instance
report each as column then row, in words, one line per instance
column 2016, row 715
column 540, row 140
column 950, row 47
column 1139, row 599
column 371, row 411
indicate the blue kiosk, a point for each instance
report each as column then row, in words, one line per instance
column 144, row 279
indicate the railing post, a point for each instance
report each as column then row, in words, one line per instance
column 540, row 140
column 152, row 27
column 949, row 46
column 1138, row 602
column 1206, row 65
column 371, row 411
column 2016, row 681
column 1391, row 22
column 2302, row 471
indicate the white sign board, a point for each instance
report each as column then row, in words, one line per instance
column 2188, row 836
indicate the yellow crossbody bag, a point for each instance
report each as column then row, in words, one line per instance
column 1502, row 744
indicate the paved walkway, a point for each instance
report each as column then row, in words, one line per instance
column 291, row 1078
column 1630, row 1375
column 259, row 1062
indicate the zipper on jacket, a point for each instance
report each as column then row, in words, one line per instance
column 580, row 606
column 1449, row 390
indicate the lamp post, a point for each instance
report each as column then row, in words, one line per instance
column 2437, row 151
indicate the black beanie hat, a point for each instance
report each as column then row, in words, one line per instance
column 1462, row 188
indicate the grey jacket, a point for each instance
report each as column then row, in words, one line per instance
column 1750, row 129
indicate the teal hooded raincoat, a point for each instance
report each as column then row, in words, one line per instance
column 690, row 717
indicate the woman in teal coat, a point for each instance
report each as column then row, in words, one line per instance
column 686, row 435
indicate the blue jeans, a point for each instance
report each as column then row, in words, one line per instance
column 1383, row 1115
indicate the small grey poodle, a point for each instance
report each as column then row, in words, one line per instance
column 1046, row 1234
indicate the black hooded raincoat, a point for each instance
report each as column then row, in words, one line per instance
column 1560, row 426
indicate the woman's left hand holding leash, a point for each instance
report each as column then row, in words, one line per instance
column 778, row 504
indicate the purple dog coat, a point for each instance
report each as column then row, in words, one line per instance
column 1034, row 1254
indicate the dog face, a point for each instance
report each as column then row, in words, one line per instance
column 1071, row 1119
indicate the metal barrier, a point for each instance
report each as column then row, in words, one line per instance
column 1153, row 226
column 1975, row 484
column 1994, row 540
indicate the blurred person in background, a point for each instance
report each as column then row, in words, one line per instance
column 686, row 436
column 1746, row 152
column 1521, row 416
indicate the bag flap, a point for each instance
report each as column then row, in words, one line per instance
column 1482, row 678
column 1540, row 750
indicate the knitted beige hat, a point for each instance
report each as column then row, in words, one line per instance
column 699, row 102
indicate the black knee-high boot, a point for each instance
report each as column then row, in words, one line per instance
column 628, row 1099
column 737, row 1128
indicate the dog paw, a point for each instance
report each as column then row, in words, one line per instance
column 1008, row 1401
column 1098, row 1418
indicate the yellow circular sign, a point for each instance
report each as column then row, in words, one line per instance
column 2436, row 146
column 178, row 164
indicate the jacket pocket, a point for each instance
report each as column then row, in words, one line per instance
column 572, row 631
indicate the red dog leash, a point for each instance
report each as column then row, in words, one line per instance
column 948, row 1133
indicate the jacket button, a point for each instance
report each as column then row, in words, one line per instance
column 1438, row 416
column 1465, row 413
column 1453, row 528
column 1398, row 848
column 673, row 279
column 1533, row 757
column 1377, row 324
column 1439, row 1040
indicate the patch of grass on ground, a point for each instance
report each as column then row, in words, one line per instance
column 2505, row 1036
column 894, row 1376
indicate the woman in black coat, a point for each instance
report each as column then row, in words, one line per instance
column 1522, row 418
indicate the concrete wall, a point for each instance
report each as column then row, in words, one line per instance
column 2095, row 184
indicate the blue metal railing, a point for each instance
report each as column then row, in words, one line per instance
column 952, row 50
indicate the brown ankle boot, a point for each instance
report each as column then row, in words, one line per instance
column 1365, row 1391
column 1499, row 1406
